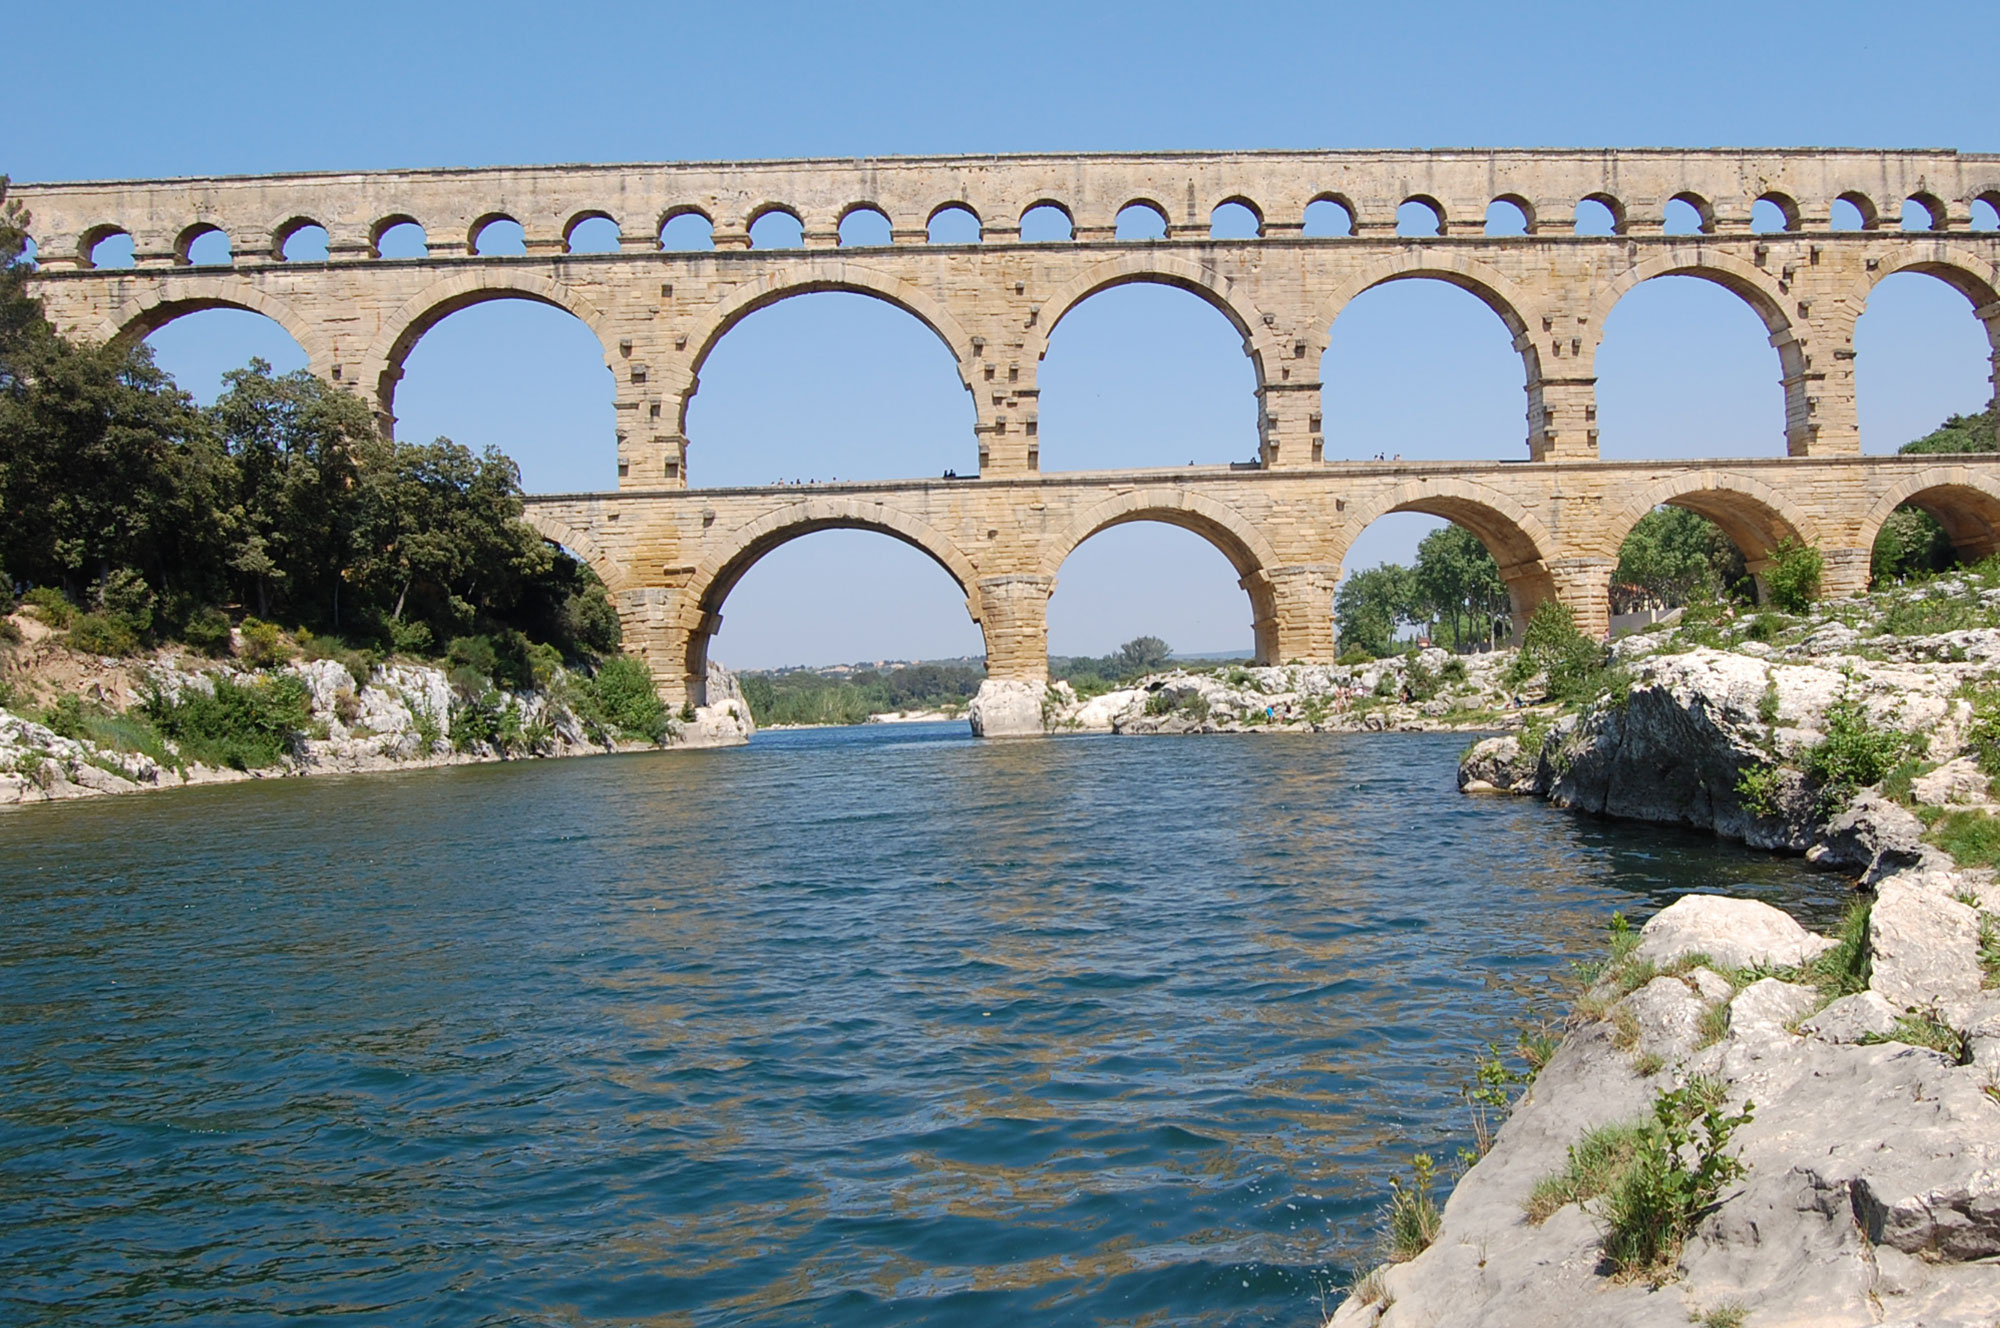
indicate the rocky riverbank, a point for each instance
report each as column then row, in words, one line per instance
column 1863, row 1184
column 88, row 734
column 1423, row 691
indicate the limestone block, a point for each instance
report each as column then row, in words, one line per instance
column 1006, row 709
column 1852, row 1018
column 1737, row 933
column 1925, row 945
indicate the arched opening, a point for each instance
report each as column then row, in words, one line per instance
column 1774, row 213
column 824, row 386
column 199, row 347
column 513, row 373
column 954, row 223
column 1438, row 570
column 1688, row 214
column 776, row 228
column 1922, row 212
column 1986, row 213
column 1852, row 212
column 107, row 247
column 831, row 596
column 1920, row 360
column 1419, row 218
column 865, row 227
column 204, row 246
column 591, row 233
column 1391, row 349
column 1328, row 218
column 1147, row 578
column 28, row 251
column 498, row 237
column 1685, row 369
column 1703, row 545
column 1145, row 374
column 1673, row 557
column 1141, row 221
column 1935, row 528
column 302, row 241
column 1509, row 214
column 1235, row 219
column 1047, row 223
column 399, row 237
column 1600, row 214
column 687, row 232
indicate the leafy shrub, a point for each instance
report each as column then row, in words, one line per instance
column 65, row 717
column 1677, row 1171
column 1854, row 753
column 620, row 699
column 476, row 720
column 1572, row 664
column 1983, row 734
column 1159, row 703
column 1194, row 706
column 10, row 635
column 1846, row 968
column 1355, row 654
column 1452, row 670
column 264, row 644
column 1793, row 576
column 124, row 595
column 410, row 638
column 1757, row 787
column 51, row 606
column 244, row 726
column 102, row 634
column 1418, row 680
column 208, row 632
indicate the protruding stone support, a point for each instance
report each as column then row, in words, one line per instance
column 1298, row 625
column 1013, row 612
column 1562, row 418
column 1582, row 584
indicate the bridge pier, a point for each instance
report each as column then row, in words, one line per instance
column 1013, row 614
column 1581, row 584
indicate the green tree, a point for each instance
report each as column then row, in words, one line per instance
column 1793, row 576
column 1458, row 587
column 1962, row 433
column 1371, row 605
column 1143, row 654
column 1675, row 557
column 1910, row 544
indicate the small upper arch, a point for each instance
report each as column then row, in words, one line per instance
column 864, row 225
column 496, row 234
column 1235, row 218
column 776, row 226
column 87, row 249
column 1141, row 219
column 955, row 222
column 1420, row 216
column 1923, row 211
column 1860, row 212
column 381, row 229
column 1328, row 215
column 194, row 247
column 1679, row 222
column 1985, row 209
column 283, row 233
column 1049, row 221
column 686, row 227
column 586, row 222
column 1780, row 208
column 1510, row 214
column 1600, row 214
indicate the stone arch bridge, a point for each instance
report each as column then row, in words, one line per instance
column 1553, row 519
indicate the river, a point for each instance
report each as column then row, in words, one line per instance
column 872, row 1026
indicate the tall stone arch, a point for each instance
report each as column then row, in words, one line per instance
column 734, row 553
column 382, row 365
column 1762, row 292
column 1971, row 274
column 145, row 314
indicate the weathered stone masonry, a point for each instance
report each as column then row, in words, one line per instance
column 670, row 554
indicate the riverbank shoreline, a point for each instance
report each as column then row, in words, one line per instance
column 1856, row 1076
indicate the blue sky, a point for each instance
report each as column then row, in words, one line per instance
column 837, row 385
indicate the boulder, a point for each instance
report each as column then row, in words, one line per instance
column 1852, row 1019
column 1497, row 765
column 1007, row 709
column 1669, row 1017
column 1736, row 933
column 1925, row 944
column 1956, row 783
column 1872, row 837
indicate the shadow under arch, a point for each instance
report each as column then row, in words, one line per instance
column 401, row 331
column 700, row 615
column 139, row 318
column 1486, row 284
column 1755, row 516
column 839, row 276
column 1229, row 531
column 1520, row 544
column 1964, row 500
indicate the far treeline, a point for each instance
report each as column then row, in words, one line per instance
column 136, row 517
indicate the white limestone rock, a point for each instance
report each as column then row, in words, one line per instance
column 1957, row 783
column 1006, row 709
column 1925, row 944
column 1736, row 933
column 1852, row 1019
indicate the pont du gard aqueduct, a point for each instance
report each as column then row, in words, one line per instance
column 1554, row 517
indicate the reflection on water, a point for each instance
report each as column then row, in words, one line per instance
column 872, row 1026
